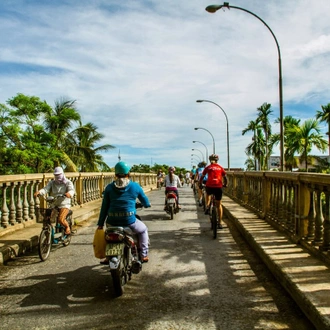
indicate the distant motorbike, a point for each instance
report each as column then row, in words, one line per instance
column 122, row 251
column 171, row 205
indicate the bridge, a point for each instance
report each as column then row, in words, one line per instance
column 284, row 217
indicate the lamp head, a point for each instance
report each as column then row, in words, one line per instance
column 196, row 128
column 213, row 8
column 200, row 101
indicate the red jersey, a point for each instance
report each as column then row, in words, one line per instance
column 215, row 173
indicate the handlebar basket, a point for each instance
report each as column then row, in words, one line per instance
column 44, row 213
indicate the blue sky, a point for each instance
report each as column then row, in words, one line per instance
column 136, row 68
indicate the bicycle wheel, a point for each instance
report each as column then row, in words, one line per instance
column 45, row 242
column 214, row 223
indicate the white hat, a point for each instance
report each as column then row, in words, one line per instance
column 58, row 170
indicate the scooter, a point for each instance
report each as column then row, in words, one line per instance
column 122, row 251
column 171, row 205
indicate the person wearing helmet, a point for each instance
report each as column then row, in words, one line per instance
column 192, row 175
column 172, row 182
column 60, row 186
column 216, row 179
column 198, row 175
column 118, row 207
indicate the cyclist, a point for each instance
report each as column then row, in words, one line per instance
column 192, row 176
column 118, row 207
column 60, row 186
column 216, row 179
column 172, row 182
column 198, row 175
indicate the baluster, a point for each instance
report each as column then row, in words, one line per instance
column 311, row 217
column 318, row 220
column 19, row 207
column 326, row 222
column 25, row 203
column 12, row 208
column 4, row 208
column 31, row 202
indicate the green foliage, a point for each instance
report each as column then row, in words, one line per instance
column 35, row 138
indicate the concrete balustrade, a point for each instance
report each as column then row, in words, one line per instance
column 295, row 203
column 18, row 204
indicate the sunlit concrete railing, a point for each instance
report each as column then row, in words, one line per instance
column 296, row 203
column 18, row 205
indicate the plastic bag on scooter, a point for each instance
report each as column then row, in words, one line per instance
column 99, row 244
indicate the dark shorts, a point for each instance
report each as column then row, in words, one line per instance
column 217, row 192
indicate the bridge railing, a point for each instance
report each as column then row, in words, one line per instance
column 296, row 203
column 18, row 205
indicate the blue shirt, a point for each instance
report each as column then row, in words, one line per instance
column 118, row 205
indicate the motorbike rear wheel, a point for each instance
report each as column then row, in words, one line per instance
column 171, row 211
column 118, row 279
column 45, row 242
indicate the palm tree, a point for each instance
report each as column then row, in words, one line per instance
column 289, row 155
column 257, row 149
column 61, row 119
column 81, row 147
column 263, row 118
column 304, row 137
column 58, row 122
column 324, row 116
column 252, row 127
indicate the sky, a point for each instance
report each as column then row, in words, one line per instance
column 137, row 67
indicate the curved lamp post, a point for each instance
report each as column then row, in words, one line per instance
column 200, row 152
column 206, row 151
column 196, row 128
column 196, row 156
column 224, row 112
column 213, row 9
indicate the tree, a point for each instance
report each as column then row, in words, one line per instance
column 26, row 147
column 80, row 146
column 324, row 116
column 253, row 126
column 304, row 137
column 263, row 119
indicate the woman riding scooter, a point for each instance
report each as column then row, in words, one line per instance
column 172, row 182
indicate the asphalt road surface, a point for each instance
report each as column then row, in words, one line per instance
column 191, row 282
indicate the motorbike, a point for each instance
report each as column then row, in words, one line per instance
column 171, row 205
column 122, row 251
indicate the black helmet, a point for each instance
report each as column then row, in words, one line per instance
column 214, row 157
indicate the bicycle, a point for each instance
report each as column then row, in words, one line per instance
column 52, row 234
column 214, row 217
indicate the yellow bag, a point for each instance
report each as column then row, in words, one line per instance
column 99, row 244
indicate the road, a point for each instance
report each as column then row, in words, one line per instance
column 191, row 282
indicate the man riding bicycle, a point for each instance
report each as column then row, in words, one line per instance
column 198, row 176
column 215, row 181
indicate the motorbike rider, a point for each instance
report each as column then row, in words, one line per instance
column 216, row 179
column 172, row 182
column 198, row 175
column 60, row 186
column 119, row 207
column 160, row 178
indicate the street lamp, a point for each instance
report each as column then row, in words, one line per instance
column 206, row 151
column 228, row 157
column 196, row 128
column 200, row 152
column 196, row 156
column 213, row 9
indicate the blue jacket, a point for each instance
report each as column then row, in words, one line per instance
column 118, row 205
